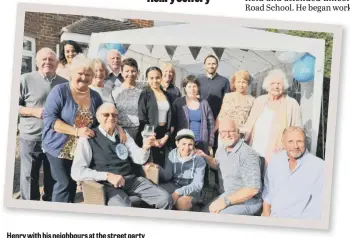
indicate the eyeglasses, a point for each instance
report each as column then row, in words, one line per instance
column 225, row 133
column 114, row 115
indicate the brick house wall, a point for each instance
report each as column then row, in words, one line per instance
column 43, row 30
column 46, row 27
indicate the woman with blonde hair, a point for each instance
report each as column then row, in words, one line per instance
column 69, row 113
column 237, row 104
column 168, row 82
column 98, row 82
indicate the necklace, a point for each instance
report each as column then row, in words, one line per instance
column 82, row 92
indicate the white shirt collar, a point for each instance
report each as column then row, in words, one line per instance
column 112, row 137
column 111, row 71
column 48, row 79
column 211, row 76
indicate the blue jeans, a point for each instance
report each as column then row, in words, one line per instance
column 249, row 207
column 65, row 187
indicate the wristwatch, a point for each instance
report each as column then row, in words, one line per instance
column 227, row 201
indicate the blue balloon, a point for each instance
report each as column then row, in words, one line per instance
column 103, row 48
column 121, row 48
column 304, row 68
column 110, row 46
column 115, row 46
column 102, row 54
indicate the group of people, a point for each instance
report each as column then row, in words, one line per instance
column 84, row 120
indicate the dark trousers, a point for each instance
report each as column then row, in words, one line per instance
column 262, row 169
column 203, row 146
column 216, row 172
column 65, row 187
column 32, row 157
column 158, row 154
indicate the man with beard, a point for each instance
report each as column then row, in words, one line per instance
column 213, row 88
column 293, row 181
column 241, row 172
column 212, row 85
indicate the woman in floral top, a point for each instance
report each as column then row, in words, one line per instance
column 69, row 113
column 237, row 104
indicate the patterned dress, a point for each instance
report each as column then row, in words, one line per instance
column 126, row 102
column 83, row 119
column 233, row 107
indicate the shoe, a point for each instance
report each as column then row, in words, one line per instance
column 47, row 198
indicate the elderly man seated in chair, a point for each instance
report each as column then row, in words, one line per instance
column 293, row 183
column 183, row 173
column 104, row 159
column 240, row 167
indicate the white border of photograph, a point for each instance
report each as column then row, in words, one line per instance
column 10, row 202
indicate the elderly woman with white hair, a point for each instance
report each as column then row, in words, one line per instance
column 69, row 113
column 270, row 115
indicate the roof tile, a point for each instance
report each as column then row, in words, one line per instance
column 89, row 25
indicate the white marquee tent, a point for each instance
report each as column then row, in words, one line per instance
column 241, row 48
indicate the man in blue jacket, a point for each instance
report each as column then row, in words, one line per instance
column 183, row 172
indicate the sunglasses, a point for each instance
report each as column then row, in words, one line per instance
column 114, row 115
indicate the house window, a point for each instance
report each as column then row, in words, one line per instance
column 58, row 51
column 28, row 55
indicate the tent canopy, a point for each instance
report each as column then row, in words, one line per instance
column 231, row 60
column 226, row 36
column 244, row 48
